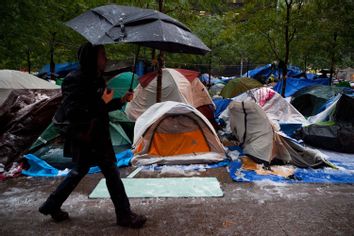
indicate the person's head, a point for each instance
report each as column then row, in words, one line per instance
column 92, row 58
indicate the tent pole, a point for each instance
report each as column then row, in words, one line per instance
column 134, row 68
column 160, row 65
column 159, row 77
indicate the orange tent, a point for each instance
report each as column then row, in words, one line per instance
column 175, row 133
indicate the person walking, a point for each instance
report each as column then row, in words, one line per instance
column 84, row 115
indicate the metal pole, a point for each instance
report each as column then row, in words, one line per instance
column 333, row 57
column 210, row 61
column 247, row 67
column 29, row 60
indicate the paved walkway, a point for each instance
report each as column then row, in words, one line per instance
column 265, row 208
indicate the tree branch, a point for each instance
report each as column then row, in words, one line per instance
column 291, row 36
column 271, row 43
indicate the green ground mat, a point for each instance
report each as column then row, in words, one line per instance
column 164, row 187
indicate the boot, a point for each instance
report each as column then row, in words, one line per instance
column 56, row 213
column 131, row 220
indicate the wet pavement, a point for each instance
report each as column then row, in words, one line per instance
column 263, row 208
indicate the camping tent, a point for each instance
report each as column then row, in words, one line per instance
column 239, row 85
column 27, row 104
column 175, row 133
column 216, row 89
column 314, row 99
column 49, row 144
column 177, row 85
column 12, row 79
column 278, row 110
column 334, row 127
column 121, row 83
column 260, row 139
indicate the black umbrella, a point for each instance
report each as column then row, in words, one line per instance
column 122, row 24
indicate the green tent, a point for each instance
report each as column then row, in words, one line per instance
column 121, row 83
column 239, row 85
column 49, row 145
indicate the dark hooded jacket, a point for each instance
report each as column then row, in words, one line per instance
column 83, row 111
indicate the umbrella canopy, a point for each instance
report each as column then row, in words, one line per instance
column 122, row 24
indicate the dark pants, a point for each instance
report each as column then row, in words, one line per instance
column 114, row 184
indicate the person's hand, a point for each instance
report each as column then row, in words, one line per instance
column 128, row 96
column 107, row 95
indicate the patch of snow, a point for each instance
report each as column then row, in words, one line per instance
column 179, row 171
column 267, row 182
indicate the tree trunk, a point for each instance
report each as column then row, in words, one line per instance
column 287, row 45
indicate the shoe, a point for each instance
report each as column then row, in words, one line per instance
column 131, row 220
column 57, row 215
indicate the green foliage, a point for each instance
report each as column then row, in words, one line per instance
column 253, row 32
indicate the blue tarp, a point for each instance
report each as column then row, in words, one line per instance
column 294, row 84
column 263, row 73
column 345, row 173
column 191, row 167
column 204, row 78
column 39, row 167
column 220, row 104
column 60, row 69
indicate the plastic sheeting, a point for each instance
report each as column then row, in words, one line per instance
column 40, row 168
column 204, row 78
column 344, row 173
column 221, row 105
column 294, row 84
column 60, row 69
column 262, row 73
